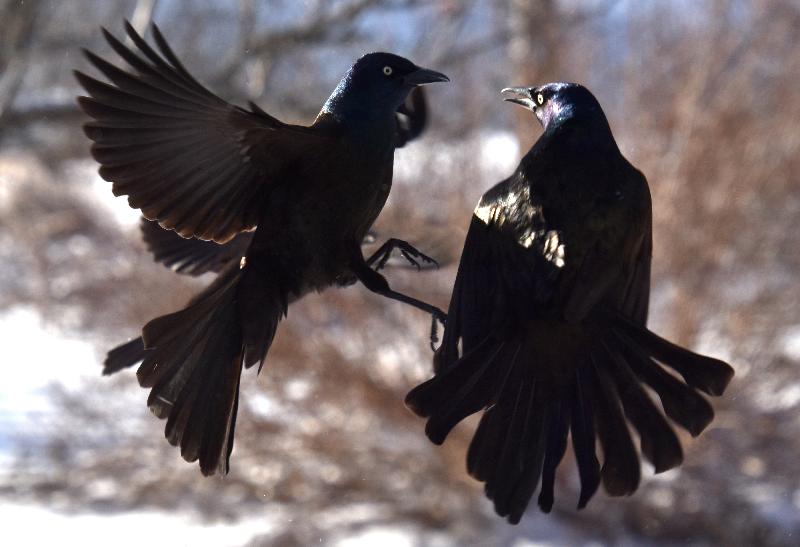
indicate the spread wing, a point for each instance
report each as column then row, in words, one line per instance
column 192, row 256
column 196, row 257
column 189, row 160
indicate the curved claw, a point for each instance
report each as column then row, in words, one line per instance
column 380, row 257
column 412, row 258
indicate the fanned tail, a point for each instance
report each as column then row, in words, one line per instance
column 522, row 436
column 193, row 362
column 707, row 374
column 535, row 393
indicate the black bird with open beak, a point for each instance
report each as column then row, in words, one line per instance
column 546, row 328
column 212, row 171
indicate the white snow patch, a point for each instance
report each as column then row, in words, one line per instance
column 712, row 342
column 34, row 525
column 379, row 535
column 264, row 406
column 297, row 389
column 39, row 356
column 99, row 191
column 772, row 397
column 493, row 153
column 789, row 343
column 500, row 151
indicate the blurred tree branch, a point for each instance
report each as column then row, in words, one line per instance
column 18, row 21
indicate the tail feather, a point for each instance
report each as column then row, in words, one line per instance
column 173, row 364
column 621, row 470
column 258, row 328
column 124, row 356
column 210, row 425
column 468, row 390
column 193, row 369
column 522, row 456
column 535, row 444
column 555, row 379
column 583, row 437
column 193, row 363
column 681, row 402
column 483, row 456
column 558, row 430
column 704, row 373
column 658, row 441
column 161, row 366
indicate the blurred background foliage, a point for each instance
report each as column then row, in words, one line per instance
column 702, row 97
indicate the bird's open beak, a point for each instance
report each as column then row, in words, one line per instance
column 425, row 76
column 519, row 95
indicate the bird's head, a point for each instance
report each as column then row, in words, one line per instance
column 557, row 102
column 378, row 83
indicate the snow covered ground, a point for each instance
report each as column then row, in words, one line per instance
column 37, row 525
column 40, row 357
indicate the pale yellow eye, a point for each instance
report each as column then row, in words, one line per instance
column 540, row 98
column 387, row 70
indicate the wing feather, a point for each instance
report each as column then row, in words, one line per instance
column 183, row 156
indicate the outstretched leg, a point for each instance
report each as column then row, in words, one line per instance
column 375, row 282
column 379, row 258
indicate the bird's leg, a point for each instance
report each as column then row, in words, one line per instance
column 375, row 282
column 409, row 252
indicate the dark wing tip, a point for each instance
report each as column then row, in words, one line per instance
column 84, row 80
column 86, row 103
column 86, row 52
column 93, row 58
column 129, row 30
column 157, row 34
column 110, row 38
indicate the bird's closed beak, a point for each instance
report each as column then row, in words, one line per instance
column 519, row 95
column 423, row 76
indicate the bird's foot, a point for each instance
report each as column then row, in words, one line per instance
column 375, row 282
column 379, row 258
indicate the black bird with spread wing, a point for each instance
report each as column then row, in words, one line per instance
column 547, row 327
column 192, row 256
column 212, row 171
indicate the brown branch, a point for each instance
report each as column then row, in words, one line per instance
column 14, row 51
column 336, row 24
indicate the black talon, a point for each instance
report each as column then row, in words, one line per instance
column 410, row 258
column 367, row 272
column 380, row 257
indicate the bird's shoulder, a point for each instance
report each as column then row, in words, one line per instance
column 590, row 187
column 510, row 204
column 621, row 203
column 265, row 139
